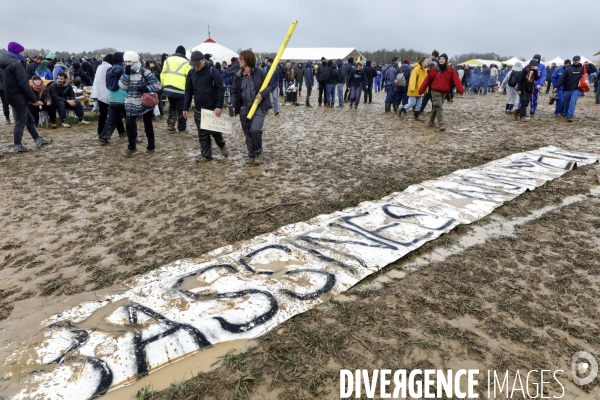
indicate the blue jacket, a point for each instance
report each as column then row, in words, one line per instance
column 225, row 77
column 47, row 74
column 309, row 74
column 275, row 78
column 58, row 68
column 556, row 75
column 542, row 72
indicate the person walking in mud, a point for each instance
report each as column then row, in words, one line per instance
column 204, row 84
column 525, row 87
column 510, row 81
column 439, row 81
column 244, row 90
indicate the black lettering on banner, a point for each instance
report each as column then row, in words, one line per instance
column 570, row 164
column 511, row 180
column 327, row 259
column 373, row 242
column 245, row 260
column 410, row 213
column 325, row 289
column 380, row 236
column 239, row 328
column 106, row 375
column 228, row 267
column 81, row 336
column 173, row 327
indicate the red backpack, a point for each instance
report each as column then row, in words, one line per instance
column 584, row 83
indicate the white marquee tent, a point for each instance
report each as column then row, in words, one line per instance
column 219, row 53
column 297, row 54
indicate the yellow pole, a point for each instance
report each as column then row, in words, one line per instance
column 273, row 66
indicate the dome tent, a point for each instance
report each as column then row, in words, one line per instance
column 219, row 52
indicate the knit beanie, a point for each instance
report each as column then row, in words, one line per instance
column 445, row 56
column 118, row 57
column 108, row 58
column 180, row 50
column 405, row 61
column 131, row 56
column 15, row 47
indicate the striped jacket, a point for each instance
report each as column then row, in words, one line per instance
column 131, row 84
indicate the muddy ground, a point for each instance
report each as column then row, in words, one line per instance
column 77, row 219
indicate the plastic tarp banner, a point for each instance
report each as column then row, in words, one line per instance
column 245, row 289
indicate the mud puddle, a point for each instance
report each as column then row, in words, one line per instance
column 179, row 370
column 498, row 227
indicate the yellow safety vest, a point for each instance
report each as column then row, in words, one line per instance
column 173, row 74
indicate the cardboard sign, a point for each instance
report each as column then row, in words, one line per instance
column 209, row 121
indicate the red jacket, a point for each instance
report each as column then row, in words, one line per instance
column 441, row 81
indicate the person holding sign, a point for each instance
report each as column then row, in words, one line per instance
column 205, row 85
column 244, row 90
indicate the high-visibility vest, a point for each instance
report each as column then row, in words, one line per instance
column 174, row 73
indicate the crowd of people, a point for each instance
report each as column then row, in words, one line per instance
column 127, row 89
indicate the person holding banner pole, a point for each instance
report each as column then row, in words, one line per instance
column 245, row 90
column 204, row 84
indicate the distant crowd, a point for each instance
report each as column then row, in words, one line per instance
column 126, row 89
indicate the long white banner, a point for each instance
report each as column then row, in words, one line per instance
column 246, row 289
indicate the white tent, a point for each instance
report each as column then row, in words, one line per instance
column 219, row 53
column 477, row 62
column 511, row 62
column 297, row 54
column 557, row 60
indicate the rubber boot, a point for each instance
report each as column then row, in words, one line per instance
column 417, row 116
column 395, row 109
column 388, row 107
column 507, row 110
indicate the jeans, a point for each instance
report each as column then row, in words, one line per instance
column 5, row 107
column 330, row 93
column 425, row 101
column 437, row 110
column 308, row 92
column 132, row 132
column 275, row 101
column 322, row 95
column 63, row 106
column 51, row 110
column 23, row 118
column 560, row 97
column 253, row 130
column 299, row 86
column 115, row 120
column 176, row 109
column 571, row 97
column 414, row 102
column 103, row 116
column 340, row 94
column 204, row 136
column 354, row 96
column 525, row 98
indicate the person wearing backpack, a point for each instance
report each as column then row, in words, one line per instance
column 137, row 81
column 525, row 87
column 357, row 81
column 204, row 84
column 405, row 70
column 439, row 81
column 322, row 78
column 570, row 79
column 509, row 82
column 393, row 95
column 116, row 100
column 559, row 94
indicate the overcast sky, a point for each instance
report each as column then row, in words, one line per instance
column 548, row 27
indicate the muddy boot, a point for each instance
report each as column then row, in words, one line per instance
column 442, row 127
column 395, row 109
column 507, row 109
column 388, row 107
column 418, row 117
column 517, row 114
column 171, row 128
column 431, row 123
column 402, row 111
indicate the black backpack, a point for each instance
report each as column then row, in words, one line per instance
column 513, row 79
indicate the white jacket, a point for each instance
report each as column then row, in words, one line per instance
column 99, row 91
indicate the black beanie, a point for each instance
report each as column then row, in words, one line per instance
column 180, row 50
column 350, row 60
column 537, row 57
column 108, row 58
column 118, row 58
column 76, row 65
column 445, row 56
column 368, row 63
